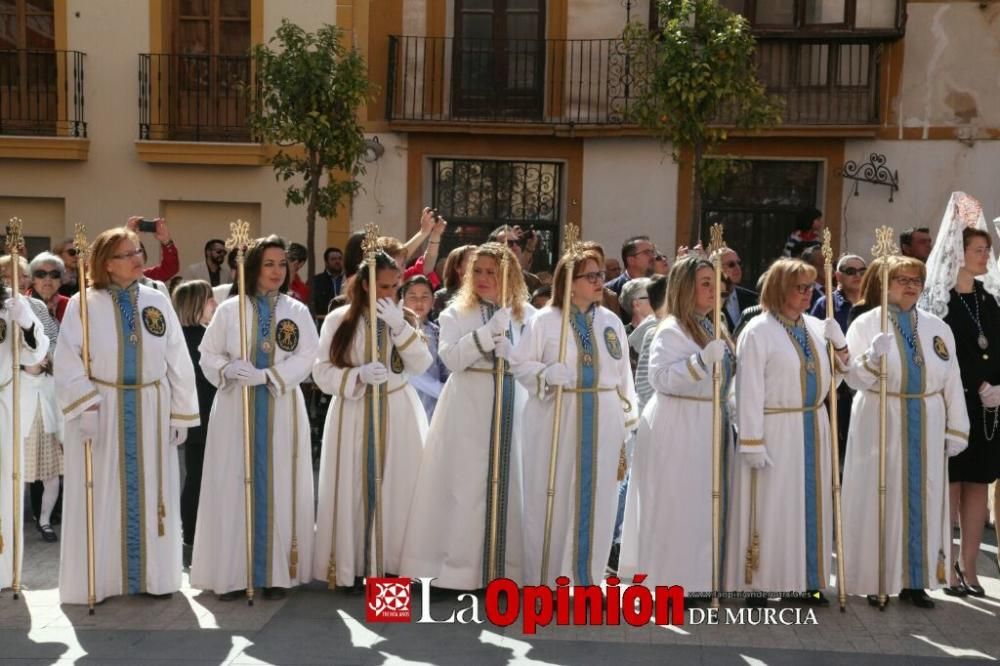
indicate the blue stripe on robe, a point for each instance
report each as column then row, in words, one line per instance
column 261, row 457
column 810, row 450
column 130, row 404
column 588, row 449
column 917, row 573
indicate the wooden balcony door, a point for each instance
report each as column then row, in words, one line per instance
column 499, row 59
column 209, row 70
column 29, row 87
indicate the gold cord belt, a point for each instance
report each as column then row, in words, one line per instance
column 593, row 389
column 488, row 371
column 909, row 396
column 686, row 397
column 791, row 410
column 161, row 511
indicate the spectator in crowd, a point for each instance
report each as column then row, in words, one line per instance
column 46, row 271
column 299, row 290
column 635, row 305
column 637, row 257
column 417, row 295
column 612, row 268
column 195, row 305
column 642, row 337
column 424, row 265
column 213, row 269
column 739, row 298
column 67, row 252
column 328, row 284
column 453, row 274
column 813, row 255
column 522, row 245
column 544, row 278
column 541, row 297
column 169, row 264
column 223, row 291
column 808, row 224
column 661, row 265
column 916, row 242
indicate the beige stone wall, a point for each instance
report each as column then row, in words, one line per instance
column 382, row 199
column 952, row 54
column 42, row 217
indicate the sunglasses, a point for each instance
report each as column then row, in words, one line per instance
column 41, row 275
column 734, row 264
column 592, row 278
column 852, row 272
column 71, row 251
column 513, row 243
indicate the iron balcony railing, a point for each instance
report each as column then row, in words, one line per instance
column 596, row 81
column 194, row 97
column 41, row 93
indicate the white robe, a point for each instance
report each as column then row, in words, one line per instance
column 771, row 374
column 943, row 416
column 146, row 561
column 219, row 559
column 667, row 533
column 30, row 355
column 447, row 530
column 343, row 470
column 580, row 540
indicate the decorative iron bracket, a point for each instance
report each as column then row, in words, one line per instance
column 873, row 171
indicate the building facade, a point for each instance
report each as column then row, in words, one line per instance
column 493, row 111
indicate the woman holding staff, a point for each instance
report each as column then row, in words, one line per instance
column 349, row 366
column 596, row 415
column 135, row 405
column 780, row 532
column 926, row 421
column 664, row 468
column 449, row 532
column 282, row 343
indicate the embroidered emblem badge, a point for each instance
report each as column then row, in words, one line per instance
column 940, row 349
column 3, row 330
column 287, row 335
column 612, row 342
column 396, row 362
column 154, row 321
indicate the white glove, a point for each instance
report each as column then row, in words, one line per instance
column 558, row 374
column 954, row 446
column 714, row 351
column 20, row 311
column 757, row 459
column 833, row 333
column 990, row 396
column 881, row 345
column 89, row 422
column 178, row 435
column 391, row 313
column 502, row 347
column 244, row 372
column 499, row 322
column 373, row 373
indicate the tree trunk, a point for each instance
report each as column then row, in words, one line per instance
column 315, row 173
column 696, row 195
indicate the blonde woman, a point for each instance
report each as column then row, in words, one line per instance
column 448, row 532
column 927, row 423
column 136, row 405
column 680, row 464
column 782, row 378
column 598, row 411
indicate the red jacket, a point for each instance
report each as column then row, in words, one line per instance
column 170, row 264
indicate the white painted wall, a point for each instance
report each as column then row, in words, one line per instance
column 382, row 199
column 629, row 188
column 929, row 171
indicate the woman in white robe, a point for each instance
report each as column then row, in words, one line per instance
column 782, row 378
column 926, row 423
column 345, row 538
column 282, row 341
column 448, row 535
column 673, row 453
column 136, row 407
column 598, row 411
column 34, row 344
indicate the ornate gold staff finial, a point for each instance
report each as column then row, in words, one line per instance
column 827, row 246
column 716, row 244
column 80, row 242
column 15, row 240
column 571, row 239
column 239, row 237
column 370, row 246
column 885, row 243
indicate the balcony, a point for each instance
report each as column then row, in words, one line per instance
column 594, row 82
column 194, row 97
column 41, row 93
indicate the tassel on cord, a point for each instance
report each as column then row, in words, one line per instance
column 160, row 515
column 293, row 560
column 331, row 574
column 622, row 463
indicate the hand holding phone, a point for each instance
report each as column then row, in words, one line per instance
column 147, row 225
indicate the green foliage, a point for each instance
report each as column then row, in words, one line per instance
column 310, row 87
column 698, row 80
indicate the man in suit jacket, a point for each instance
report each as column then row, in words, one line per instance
column 213, row 269
column 328, row 284
column 637, row 257
column 738, row 298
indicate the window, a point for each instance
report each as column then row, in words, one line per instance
column 757, row 206
column 838, row 15
column 499, row 58
column 28, row 74
column 476, row 196
column 210, row 67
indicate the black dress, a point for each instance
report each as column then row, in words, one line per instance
column 194, row 446
column 980, row 463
